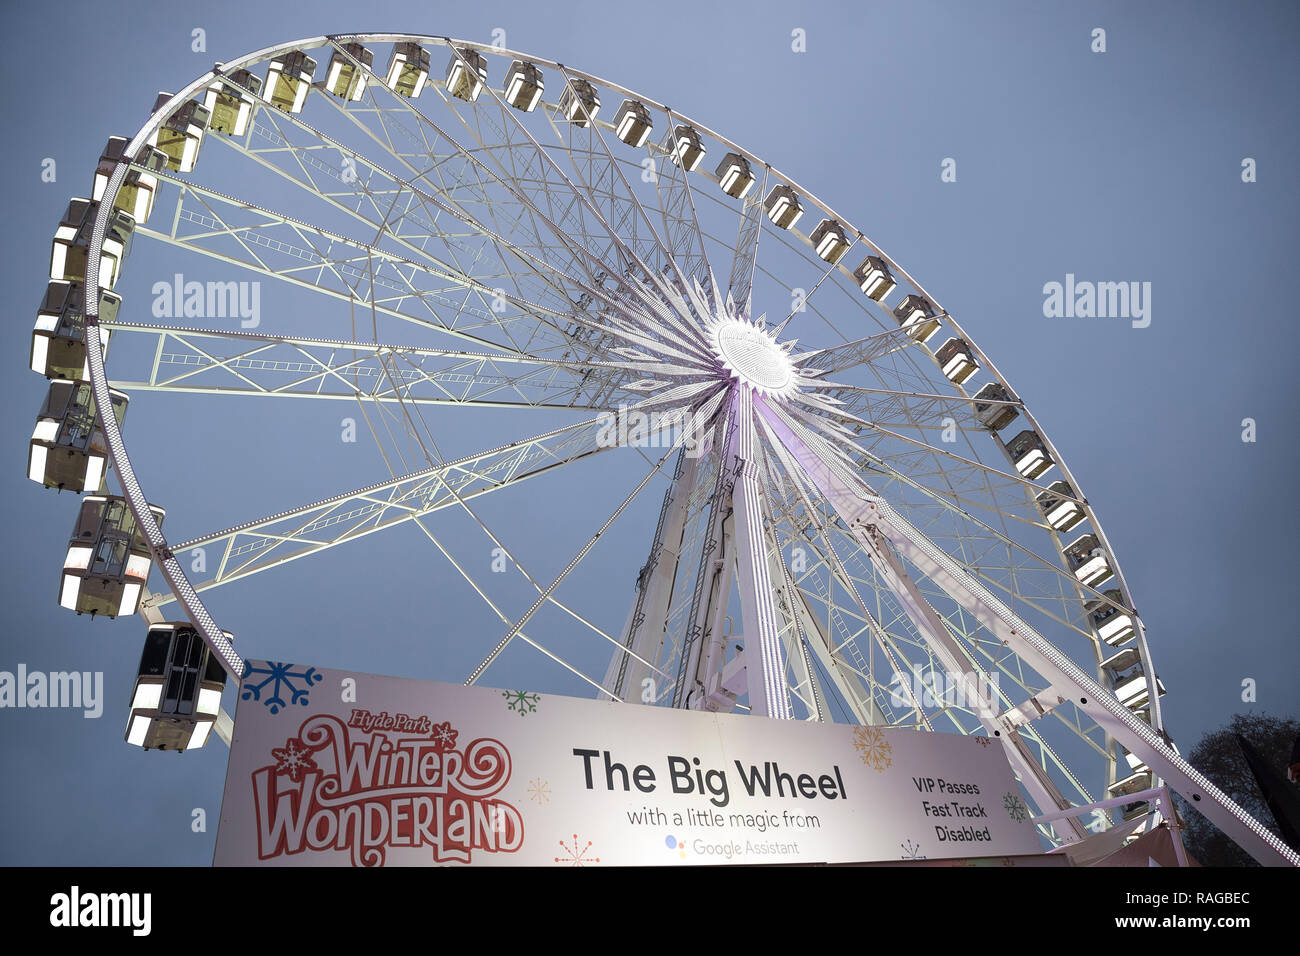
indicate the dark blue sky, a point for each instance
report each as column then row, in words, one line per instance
column 1123, row 166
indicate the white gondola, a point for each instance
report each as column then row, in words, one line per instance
column 632, row 123
column 1060, row 507
column 1030, row 454
column 72, row 244
column 957, row 361
column 229, row 109
column 343, row 77
column 990, row 411
column 108, row 559
column 408, row 70
column 68, row 450
column 1089, row 561
column 829, row 241
column 136, row 194
column 1114, row 625
column 734, row 176
column 288, row 80
column 1134, row 782
column 783, row 206
column 466, row 74
column 916, row 315
column 579, row 103
column 688, row 148
column 1128, row 679
column 180, row 137
column 58, row 342
column 524, row 86
column 177, row 693
column 874, row 278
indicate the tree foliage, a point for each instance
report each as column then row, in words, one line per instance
column 1219, row 757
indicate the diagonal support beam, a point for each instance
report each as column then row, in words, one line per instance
column 866, row 515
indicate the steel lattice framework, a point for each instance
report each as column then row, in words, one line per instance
column 831, row 481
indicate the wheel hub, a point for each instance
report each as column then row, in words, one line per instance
column 751, row 355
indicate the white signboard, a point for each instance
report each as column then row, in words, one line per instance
column 330, row 768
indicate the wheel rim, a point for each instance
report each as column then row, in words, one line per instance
column 969, row 495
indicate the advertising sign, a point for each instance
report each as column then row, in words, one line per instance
column 333, row 768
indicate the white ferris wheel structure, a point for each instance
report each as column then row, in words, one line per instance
column 859, row 519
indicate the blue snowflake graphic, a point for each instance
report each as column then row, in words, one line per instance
column 279, row 676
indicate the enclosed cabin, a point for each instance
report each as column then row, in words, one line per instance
column 344, row 77
column 1112, row 622
column 688, row 148
column 957, row 361
column 1030, row 454
column 783, row 206
column 466, row 74
column 1134, row 776
column 136, row 194
column 994, row 407
column 829, row 241
column 916, row 316
column 108, row 559
column 1128, row 679
column 874, row 278
column 408, row 70
column 1060, row 506
column 230, row 100
column 524, row 86
column 735, row 175
column 180, row 137
column 632, row 123
column 579, row 103
column 177, row 693
column 1089, row 560
column 71, row 247
column 58, row 339
column 68, row 450
column 288, row 80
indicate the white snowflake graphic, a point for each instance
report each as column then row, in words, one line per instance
column 293, row 758
column 444, row 736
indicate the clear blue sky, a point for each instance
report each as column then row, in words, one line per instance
column 1118, row 166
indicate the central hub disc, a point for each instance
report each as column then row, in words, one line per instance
column 753, row 356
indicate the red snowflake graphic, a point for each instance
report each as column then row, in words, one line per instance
column 444, row 737
column 293, row 758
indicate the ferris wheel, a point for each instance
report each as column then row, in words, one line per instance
column 859, row 519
